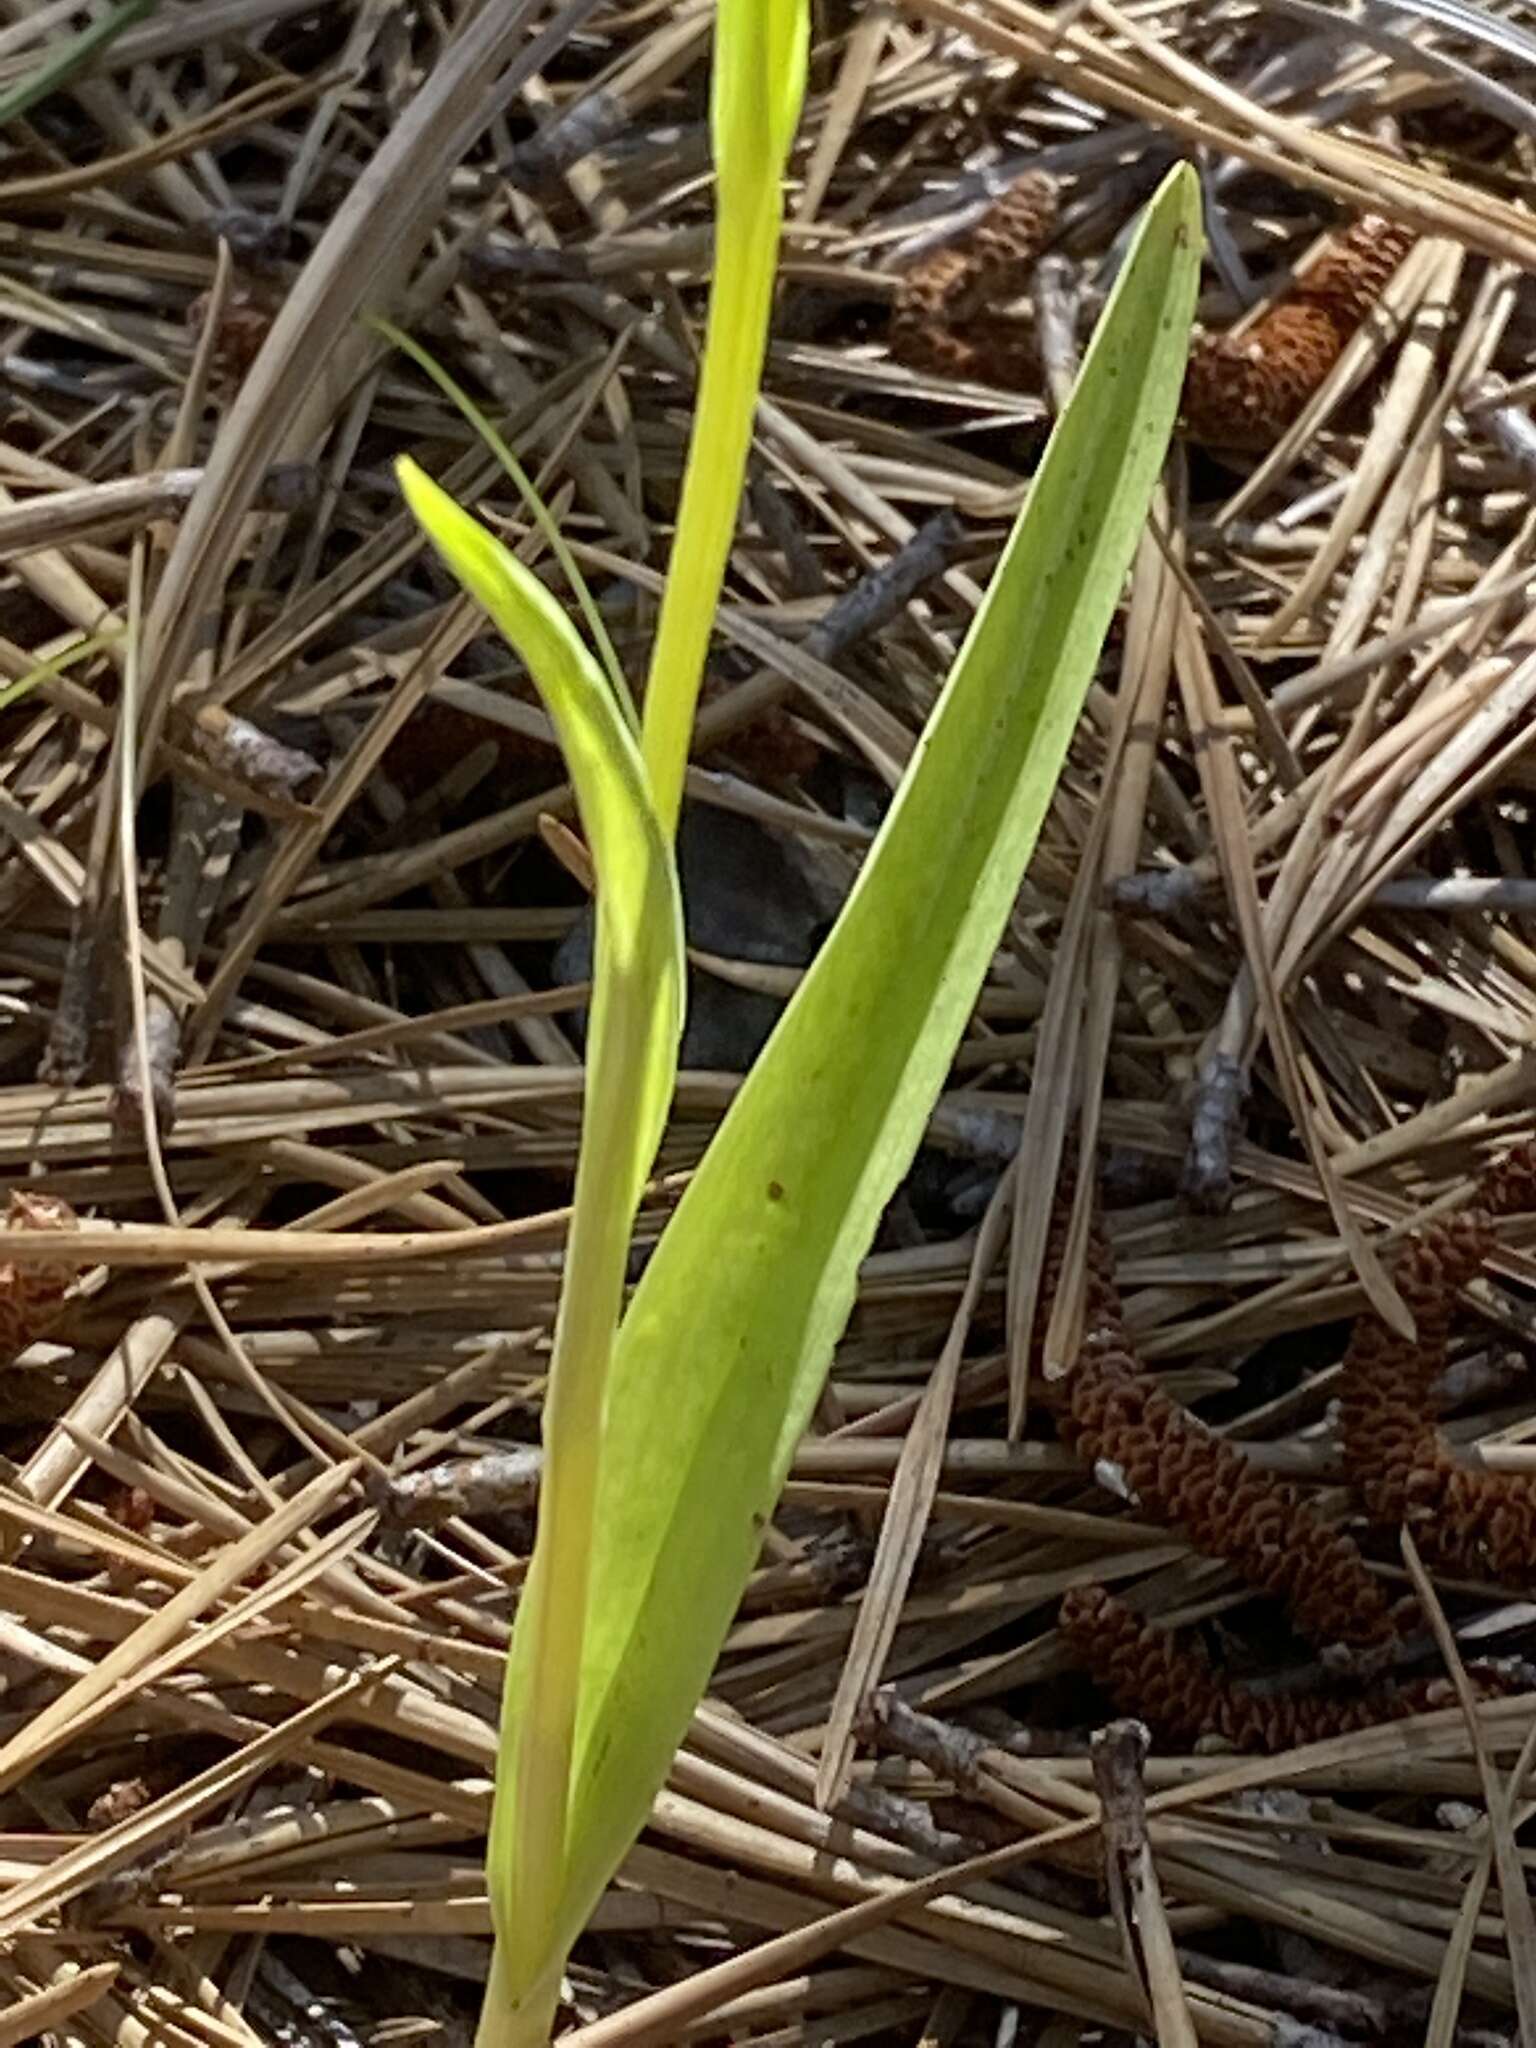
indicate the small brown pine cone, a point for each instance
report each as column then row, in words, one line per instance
column 929, row 294
column 1385, row 1428
column 943, row 320
column 989, row 352
column 1199, row 1484
column 31, row 1294
column 1007, row 242
column 1244, row 391
column 1352, row 275
column 1479, row 1523
column 1104, row 1325
column 1111, row 1411
column 1508, row 1188
column 1482, row 1524
column 1173, row 1689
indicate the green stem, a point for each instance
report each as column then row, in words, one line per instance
column 554, row 1608
column 736, row 339
column 508, row 2022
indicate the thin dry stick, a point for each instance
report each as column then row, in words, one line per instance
column 1135, row 1896
column 49, row 2010
column 1219, row 776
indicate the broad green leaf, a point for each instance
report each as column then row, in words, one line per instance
column 728, row 1337
column 632, row 1041
column 757, row 88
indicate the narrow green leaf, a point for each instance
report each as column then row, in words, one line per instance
column 639, row 909
column 527, row 490
column 69, row 56
column 757, row 89
column 728, row 1337
column 77, row 651
column 632, row 1041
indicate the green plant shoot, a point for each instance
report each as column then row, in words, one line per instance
column 667, row 1451
column 629, row 807
column 757, row 89
column 727, row 1340
column 632, row 1040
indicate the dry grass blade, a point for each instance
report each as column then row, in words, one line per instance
column 122, row 1667
column 1098, row 962
column 55, row 2005
column 1519, row 1919
column 908, row 1506
column 1225, row 804
column 155, row 1245
column 1451, row 1983
column 364, row 256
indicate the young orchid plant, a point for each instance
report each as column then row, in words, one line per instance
column 669, row 1422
